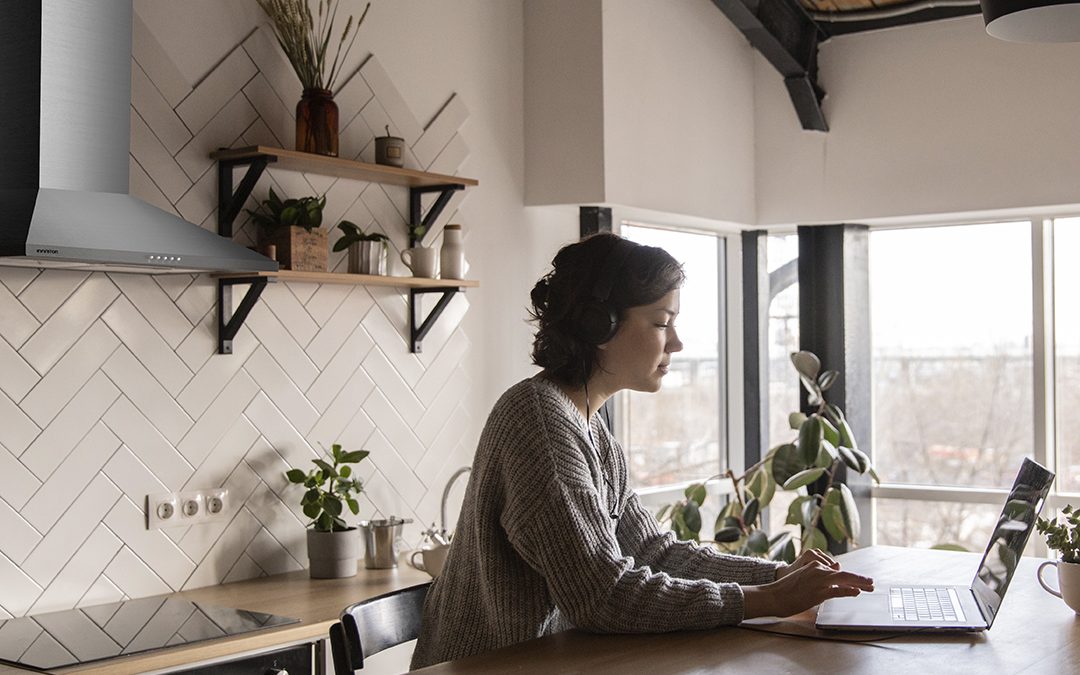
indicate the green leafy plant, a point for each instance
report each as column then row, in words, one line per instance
column 330, row 487
column 824, row 443
column 1063, row 537
column 305, row 38
column 273, row 213
column 353, row 234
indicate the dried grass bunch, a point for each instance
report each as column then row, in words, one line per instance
column 305, row 38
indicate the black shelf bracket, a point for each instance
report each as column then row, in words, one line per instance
column 227, row 330
column 230, row 202
column 418, row 329
column 416, row 214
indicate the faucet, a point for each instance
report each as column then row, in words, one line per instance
column 446, row 494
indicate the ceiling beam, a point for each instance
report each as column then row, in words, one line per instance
column 788, row 39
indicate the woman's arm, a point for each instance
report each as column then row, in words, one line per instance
column 640, row 537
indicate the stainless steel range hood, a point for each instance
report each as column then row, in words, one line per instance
column 65, row 97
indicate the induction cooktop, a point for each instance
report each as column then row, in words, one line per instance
column 75, row 636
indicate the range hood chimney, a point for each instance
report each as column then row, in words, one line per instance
column 65, row 74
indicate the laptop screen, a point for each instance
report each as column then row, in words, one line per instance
column 1011, row 534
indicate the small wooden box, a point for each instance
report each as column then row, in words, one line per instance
column 298, row 249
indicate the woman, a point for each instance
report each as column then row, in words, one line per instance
column 550, row 535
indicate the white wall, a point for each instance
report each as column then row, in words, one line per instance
column 110, row 387
column 679, row 122
column 676, row 129
column 936, row 118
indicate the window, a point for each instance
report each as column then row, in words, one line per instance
column 1067, row 352
column 951, row 329
column 782, row 258
column 679, row 434
column 976, row 351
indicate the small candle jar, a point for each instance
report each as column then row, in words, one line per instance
column 389, row 150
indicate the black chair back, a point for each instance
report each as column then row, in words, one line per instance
column 370, row 626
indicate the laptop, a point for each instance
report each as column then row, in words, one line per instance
column 937, row 608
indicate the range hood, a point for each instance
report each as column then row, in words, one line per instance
column 65, row 98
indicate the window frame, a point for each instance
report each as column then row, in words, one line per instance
column 1043, row 386
column 730, row 349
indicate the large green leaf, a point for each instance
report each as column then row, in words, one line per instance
column 796, row 419
column 814, row 538
column 692, row 518
column 806, row 364
column 794, row 512
column 354, row 456
column 786, row 463
column 826, row 455
column 827, row 379
column 758, row 542
column 695, row 493
column 810, row 439
column 332, row 504
column 788, row 553
column 829, row 431
column 295, row 475
column 848, row 457
column 662, row 513
column 727, row 535
column 850, row 510
column 847, row 436
column 750, row 513
column 312, row 510
column 832, row 516
column 769, row 489
column 862, row 459
column 803, row 478
column 948, row 547
column 327, row 469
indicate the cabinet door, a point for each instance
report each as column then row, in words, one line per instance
column 295, row 660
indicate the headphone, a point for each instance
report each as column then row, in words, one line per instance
column 598, row 320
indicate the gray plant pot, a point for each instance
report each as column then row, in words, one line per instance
column 333, row 555
column 367, row 257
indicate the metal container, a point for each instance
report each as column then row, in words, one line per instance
column 381, row 542
column 367, row 257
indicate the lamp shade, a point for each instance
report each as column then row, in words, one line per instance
column 1033, row 21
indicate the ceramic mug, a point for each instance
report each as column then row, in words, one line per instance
column 421, row 260
column 1068, row 582
column 432, row 561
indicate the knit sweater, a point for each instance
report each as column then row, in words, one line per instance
column 536, row 549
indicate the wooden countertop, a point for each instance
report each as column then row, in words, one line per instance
column 316, row 602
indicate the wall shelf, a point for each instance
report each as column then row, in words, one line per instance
column 256, row 158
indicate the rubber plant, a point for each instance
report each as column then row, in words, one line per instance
column 823, row 444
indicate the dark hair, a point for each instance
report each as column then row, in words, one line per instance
column 644, row 275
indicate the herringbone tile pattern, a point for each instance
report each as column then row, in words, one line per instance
column 111, row 388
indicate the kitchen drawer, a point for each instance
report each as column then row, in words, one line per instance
column 296, row 660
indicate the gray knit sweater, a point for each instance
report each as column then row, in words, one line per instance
column 537, row 551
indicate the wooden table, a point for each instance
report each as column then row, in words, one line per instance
column 316, row 602
column 1034, row 633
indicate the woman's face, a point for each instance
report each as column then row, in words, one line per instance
column 637, row 358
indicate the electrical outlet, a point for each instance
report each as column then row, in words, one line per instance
column 180, row 509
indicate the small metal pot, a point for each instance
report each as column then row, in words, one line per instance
column 381, row 542
column 367, row 257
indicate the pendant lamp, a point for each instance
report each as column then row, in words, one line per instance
column 1033, row 21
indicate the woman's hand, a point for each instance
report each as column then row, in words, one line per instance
column 810, row 555
column 807, row 582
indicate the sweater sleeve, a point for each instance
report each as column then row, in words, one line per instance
column 570, row 541
column 641, row 538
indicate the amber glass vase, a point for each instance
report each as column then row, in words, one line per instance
column 317, row 123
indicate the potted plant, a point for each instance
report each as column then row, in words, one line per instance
column 367, row 250
column 824, row 442
column 292, row 227
column 333, row 545
column 305, row 39
column 1065, row 539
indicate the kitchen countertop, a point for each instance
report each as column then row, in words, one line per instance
column 316, row 602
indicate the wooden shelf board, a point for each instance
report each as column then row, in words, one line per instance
column 342, row 168
column 356, row 279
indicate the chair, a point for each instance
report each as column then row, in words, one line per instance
column 373, row 625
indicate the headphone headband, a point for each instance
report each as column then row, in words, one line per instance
column 613, row 262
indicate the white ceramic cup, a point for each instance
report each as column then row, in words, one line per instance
column 421, row 260
column 1068, row 582
column 432, row 559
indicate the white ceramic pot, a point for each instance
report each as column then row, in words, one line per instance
column 1068, row 582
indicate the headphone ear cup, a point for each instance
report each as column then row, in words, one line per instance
column 597, row 322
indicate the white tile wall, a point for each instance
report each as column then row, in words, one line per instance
column 111, row 388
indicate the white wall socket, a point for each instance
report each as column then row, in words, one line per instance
column 180, row 509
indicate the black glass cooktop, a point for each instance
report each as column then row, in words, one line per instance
column 75, row 636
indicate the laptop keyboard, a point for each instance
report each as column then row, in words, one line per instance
column 925, row 604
